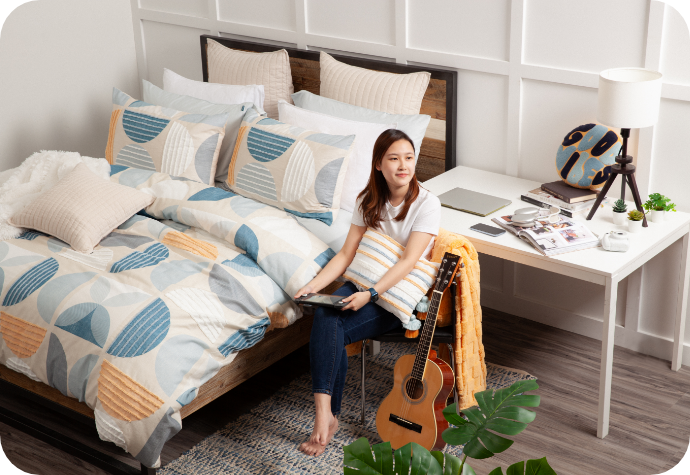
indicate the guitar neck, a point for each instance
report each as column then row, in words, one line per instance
column 426, row 337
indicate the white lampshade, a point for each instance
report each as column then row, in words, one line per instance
column 629, row 97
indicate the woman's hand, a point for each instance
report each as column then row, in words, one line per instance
column 357, row 301
column 307, row 289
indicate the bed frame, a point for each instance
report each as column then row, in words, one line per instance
column 437, row 154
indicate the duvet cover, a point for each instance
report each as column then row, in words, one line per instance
column 160, row 306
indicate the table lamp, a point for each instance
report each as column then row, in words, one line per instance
column 628, row 98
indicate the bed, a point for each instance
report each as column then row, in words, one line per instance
column 437, row 154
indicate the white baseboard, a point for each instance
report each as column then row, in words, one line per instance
column 645, row 343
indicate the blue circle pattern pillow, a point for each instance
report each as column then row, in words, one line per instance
column 585, row 157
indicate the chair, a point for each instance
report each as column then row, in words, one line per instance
column 442, row 335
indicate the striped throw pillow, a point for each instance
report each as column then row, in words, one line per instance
column 375, row 255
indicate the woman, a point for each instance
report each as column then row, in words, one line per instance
column 394, row 204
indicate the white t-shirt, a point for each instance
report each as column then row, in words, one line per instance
column 424, row 216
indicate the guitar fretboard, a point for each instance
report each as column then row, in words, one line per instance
column 426, row 336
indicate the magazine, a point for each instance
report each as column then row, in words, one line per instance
column 550, row 239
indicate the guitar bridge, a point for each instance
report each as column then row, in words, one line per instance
column 405, row 423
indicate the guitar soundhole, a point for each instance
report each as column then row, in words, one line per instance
column 414, row 388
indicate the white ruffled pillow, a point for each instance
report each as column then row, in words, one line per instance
column 375, row 255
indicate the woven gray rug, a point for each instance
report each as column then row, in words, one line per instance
column 265, row 440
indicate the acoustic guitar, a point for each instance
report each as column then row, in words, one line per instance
column 413, row 411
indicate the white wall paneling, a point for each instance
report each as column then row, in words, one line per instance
column 174, row 47
column 675, row 61
column 279, row 14
column 364, row 20
column 528, row 74
column 197, row 8
column 464, row 27
column 482, row 107
column 587, row 35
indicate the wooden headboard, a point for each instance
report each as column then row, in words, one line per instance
column 438, row 149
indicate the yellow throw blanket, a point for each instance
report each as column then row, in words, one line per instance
column 470, row 368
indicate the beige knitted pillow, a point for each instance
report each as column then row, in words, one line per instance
column 229, row 66
column 385, row 92
column 82, row 209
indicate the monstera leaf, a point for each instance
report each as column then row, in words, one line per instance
column 496, row 411
column 534, row 467
column 359, row 460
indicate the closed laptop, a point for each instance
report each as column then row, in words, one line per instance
column 472, row 201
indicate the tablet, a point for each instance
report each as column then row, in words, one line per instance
column 321, row 300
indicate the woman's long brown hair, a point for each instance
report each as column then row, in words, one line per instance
column 376, row 194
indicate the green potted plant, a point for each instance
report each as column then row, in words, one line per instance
column 635, row 218
column 657, row 205
column 619, row 212
column 498, row 411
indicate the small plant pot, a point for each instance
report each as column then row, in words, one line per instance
column 658, row 216
column 634, row 226
column 619, row 218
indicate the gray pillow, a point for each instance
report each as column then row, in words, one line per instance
column 158, row 97
column 413, row 125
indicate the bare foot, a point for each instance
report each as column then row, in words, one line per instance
column 325, row 427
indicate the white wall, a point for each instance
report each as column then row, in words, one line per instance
column 59, row 60
column 528, row 73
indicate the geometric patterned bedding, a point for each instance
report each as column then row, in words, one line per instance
column 160, row 306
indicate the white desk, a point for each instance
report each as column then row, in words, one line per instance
column 593, row 265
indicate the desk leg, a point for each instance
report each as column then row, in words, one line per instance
column 681, row 306
column 607, row 357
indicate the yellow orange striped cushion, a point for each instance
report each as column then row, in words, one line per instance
column 376, row 254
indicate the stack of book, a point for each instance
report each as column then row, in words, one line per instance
column 571, row 200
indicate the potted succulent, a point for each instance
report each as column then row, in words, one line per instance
column 619, row 212
column 658, row 205
column 635, row 218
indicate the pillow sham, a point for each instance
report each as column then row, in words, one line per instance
column 413, row 125
column 214, row 93
column 162, row 139
column 385, row 92
column 229, row 66
column 376, row 254
column 82, row 209
column 157, row 96
column 295, row 169
column 359, row 168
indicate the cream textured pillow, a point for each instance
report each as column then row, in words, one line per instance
column 82, row 209
column 229, row 66
column 385, row 92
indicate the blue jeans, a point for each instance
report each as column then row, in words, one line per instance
column 332, row 330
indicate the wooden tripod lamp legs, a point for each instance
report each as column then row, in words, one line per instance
column 627, row 176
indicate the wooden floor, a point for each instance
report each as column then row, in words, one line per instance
column 650, row 408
